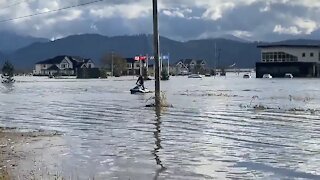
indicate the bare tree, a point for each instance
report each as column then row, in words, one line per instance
column 114, row 62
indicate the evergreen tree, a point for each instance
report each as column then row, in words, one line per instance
column 164, row 75
column 8, row 69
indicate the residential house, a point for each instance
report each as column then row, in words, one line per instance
column 133, row 66
column 187, row 66
column 62, row 65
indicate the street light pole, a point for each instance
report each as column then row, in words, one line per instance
column 112, row 64
column 156, row 52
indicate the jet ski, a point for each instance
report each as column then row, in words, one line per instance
column 139, row 90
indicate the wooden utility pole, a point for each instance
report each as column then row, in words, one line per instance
column 112, row 64
column 156, row 47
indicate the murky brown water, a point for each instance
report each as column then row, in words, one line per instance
column 218, row 128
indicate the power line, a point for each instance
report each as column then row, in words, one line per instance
column 50, row 11
column 14, row 4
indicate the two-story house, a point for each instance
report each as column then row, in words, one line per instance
column 134, row 67
column 62, row 65
column 186, row 66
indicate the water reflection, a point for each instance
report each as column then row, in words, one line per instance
column 157, row 136
column 205, row 136
column 8, row 87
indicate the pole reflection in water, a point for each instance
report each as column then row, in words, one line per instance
column 158, row 143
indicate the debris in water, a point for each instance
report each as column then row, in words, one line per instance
column 163, row 102
column 253, row 98
column 260, row 107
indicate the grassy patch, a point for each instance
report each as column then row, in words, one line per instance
column 4, row 175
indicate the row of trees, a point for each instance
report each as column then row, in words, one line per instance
column 118, row 65
column 114, row 62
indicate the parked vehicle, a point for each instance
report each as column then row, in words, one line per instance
column 195, row 76
column 267, row 76
column 288, row 75
column 247, row 76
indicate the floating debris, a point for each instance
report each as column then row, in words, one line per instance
column 260, row 107
column 207, row 93
column 163, row 102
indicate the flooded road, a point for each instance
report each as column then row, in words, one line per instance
column 218, row 128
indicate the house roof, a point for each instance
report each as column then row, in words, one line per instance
column 53, row 67
column 130, row 60
column 200, row 61
column 187, row 61
column 55, row 60
column 76, row 60
column 289, row 45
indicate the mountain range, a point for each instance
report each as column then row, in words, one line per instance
column 10, row 42
column 220, row 52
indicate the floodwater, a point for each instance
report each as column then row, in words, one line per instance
column 218, row 128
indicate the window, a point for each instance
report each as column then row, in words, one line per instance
column 267, row 57
column 264, row 56
column 303, row 54
column 275, row 57
column 64, row 66
column 129, row 66
column 137, row 65
column 311, row 54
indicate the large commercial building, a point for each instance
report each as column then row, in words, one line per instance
column 279, row 59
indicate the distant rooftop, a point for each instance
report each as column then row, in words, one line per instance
column 290, row 45
column 59, row 59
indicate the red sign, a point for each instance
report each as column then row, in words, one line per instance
column 140, row 58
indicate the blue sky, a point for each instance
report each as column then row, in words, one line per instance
column 179, row 19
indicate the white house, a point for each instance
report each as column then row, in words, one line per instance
column 134, row 66
column 186, row 66
column 62, row 65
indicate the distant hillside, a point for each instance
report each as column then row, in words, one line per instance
column 299, row 42
column 234, row 38
column 2, row 58
column 94, row 46
column 10, row 42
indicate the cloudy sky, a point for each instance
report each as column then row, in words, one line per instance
column 179, row 19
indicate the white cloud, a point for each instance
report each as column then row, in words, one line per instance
column 308, row 26
column 173, row 13
column 292, row 30
column 201, row 18
column 242, row 34
column 216, row 12
column 178, row 12
column 127, row 11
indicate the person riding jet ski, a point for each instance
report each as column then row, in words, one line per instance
column 140, row 82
